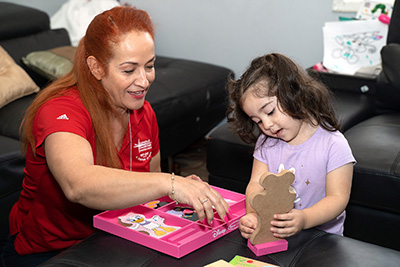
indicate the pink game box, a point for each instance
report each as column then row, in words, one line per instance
column 171, row 228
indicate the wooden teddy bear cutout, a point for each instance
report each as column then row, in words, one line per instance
column 277, row 198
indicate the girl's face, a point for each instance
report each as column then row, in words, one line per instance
column 131, row 71
column 267, row 114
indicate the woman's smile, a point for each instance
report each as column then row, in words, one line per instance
column 137, row 94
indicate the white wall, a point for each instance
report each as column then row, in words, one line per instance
column 232, row 32
column 48, row 6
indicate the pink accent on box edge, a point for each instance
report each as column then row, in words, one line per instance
column 269, row 247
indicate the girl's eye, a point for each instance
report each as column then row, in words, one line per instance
column 271, row 112
column 150, row 67
column 129, row 71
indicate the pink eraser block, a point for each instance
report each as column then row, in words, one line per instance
column 269, row 247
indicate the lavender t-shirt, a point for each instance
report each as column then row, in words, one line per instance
column 310, row 161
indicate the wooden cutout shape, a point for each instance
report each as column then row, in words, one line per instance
column 276, row 198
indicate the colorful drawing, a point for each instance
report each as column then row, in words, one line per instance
column 352, row 45
column 154, row 227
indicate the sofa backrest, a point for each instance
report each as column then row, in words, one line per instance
column 24, row 30
column 388, row 84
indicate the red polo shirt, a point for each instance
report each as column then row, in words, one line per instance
column 43, row 218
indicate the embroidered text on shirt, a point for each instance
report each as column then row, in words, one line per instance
column 144, row 149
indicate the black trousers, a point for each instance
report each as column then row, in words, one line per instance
column 9, row 257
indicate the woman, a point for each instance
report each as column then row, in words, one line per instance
column 92, row 141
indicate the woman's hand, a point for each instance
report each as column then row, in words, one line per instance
column 204, row 199
column 194, row 177
column 289, row 224
column 247, row 224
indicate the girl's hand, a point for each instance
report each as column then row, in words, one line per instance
column 247, row 224
column 286, row 225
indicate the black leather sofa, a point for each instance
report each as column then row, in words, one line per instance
column 369, row 109
column 309, row 248
column 188, row 97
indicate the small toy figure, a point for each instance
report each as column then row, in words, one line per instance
column 153, row 227
column 277, row 198
column 184, row 212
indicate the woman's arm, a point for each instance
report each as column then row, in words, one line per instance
column 70, row 159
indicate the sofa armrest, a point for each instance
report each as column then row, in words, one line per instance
column 388, row 84
column 390, row 64
column 17, row 20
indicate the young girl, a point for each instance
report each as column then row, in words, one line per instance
column 299, row 132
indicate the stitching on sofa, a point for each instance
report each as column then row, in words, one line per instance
column 71, row 262
column 371, row 206
column 10, row 193
column 377, row 173
column 395, row 163
column 150, row 260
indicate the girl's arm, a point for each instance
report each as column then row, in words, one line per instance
column 248, row 223
column 70, row 160
column 338, row 187
column 259, row 168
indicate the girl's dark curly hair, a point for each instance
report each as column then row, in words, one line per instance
column 299, row 95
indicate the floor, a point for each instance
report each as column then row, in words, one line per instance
column 192, row 160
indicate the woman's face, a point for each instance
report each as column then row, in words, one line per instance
column 131, row 71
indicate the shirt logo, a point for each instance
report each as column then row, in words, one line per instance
column 63, row 117
column 144, row 149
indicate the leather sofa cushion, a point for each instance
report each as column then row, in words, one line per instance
column 11, row 170
column 375, row 145
column 11, row 116
column 17, row 20
column 388, row 96
column 308, row 248
column 183, row 88
column 352, row 108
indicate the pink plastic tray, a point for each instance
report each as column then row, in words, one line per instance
column 190, row 234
